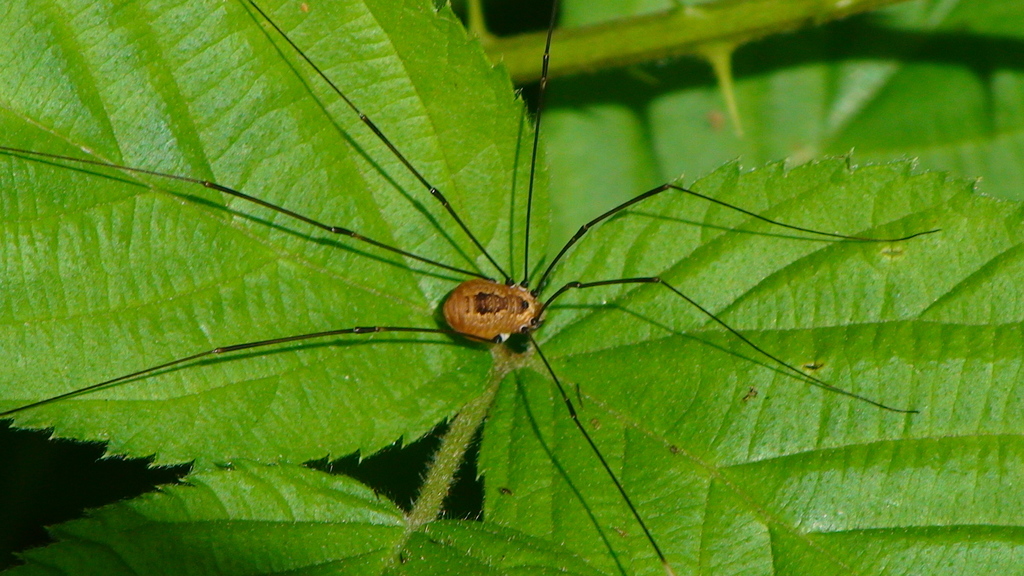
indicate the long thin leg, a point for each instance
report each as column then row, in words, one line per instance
column 225, row 350
column 665, row 187
column 604, row 463
column 797, row 373
column 536, row 140
column 384, row 139
column 232, row 192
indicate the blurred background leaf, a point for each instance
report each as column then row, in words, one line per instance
column 940, row 82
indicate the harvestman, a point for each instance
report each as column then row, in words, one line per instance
column 480, row 308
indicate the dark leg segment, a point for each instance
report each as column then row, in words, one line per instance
column 232, row 192
column 665, row 187
column 384, row 139
column 604, row 463
column 789, row 367
column 542, row 91
column 225, row 350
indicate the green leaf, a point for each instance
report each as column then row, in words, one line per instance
column 108, row 273
column 273, row 519
column 735, row 465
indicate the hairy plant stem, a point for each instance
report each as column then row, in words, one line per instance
column 676, row 32
column 450, row 454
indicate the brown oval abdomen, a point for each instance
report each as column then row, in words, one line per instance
column 490, row 311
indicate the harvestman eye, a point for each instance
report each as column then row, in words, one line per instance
column 480, row 308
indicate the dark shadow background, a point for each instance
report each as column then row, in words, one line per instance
column 44, row 482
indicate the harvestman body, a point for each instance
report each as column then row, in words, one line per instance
column 480, row 309
column 490, row 311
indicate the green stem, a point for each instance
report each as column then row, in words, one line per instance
column 720, row 58
column 441, row 474
column 676, row 32
column 477, row 22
